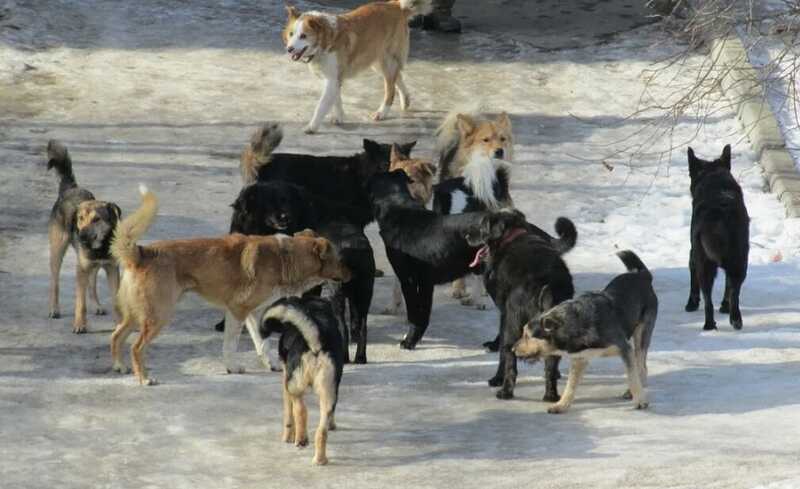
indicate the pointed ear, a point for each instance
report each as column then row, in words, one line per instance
column 726, row 156
column 496, row 228
column 406, row 148
column 549, row 324
column 694, row 163
column 115, row 209
column 545, row 300
column 395, row 155
column 465, row 125
column 292, row 12
column 503, row 122
column 322, row 247
column 371, row 147
column 428, row 168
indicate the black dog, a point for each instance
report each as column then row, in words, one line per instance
column 281, row 207
column 520, row 263
column 311, row 352
column 425, row 248
column 338, row 178
column 720, row 234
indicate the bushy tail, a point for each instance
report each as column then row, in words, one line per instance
column 633, row 263
column 567, row 235
column 416, row 7
column 259, row 152
column 294, row 317
column 123, row 246
column 58, row 158
column 447, row 140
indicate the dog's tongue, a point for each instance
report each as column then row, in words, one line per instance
column 482, row 253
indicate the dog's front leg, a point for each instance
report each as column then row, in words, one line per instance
column 328, row 100
column 82, row 276
column 112, row 275
column 98, row 308
column 338, row 110
column 576, row 370
column 230, row 343
column 264, row 351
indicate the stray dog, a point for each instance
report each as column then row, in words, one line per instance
column 462, row 137
column 338, row 47
column 483, row 186
column 720, row 234
column 237, row 273
column 619, row 320
column 338, row 178
column 423, row 247
column 78, row 219
column 280, row 207
column 311, row 353
column 520, row 262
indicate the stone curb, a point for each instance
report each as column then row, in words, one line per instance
column 741, row 85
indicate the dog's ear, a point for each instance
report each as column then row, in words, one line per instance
column 395, row 154
column 292, row 12
column 307, row 233
column 372, row 148
column 115, row 209
column 322, row 247
column 504, row 122
column 465, row 125
column 405, row 149
column 497, row 227
column 428, row 168
column 545, row 299
column 725, row 159
column 549, row 324
column 695, row 165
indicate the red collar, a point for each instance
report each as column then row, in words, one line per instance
column 483, row 251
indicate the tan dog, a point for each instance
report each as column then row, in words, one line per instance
column 338, row 47
column 87, row 224
column 462, row 137
column 237, row 273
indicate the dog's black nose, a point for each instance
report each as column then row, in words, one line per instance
column 290, row 49
column 498, row 153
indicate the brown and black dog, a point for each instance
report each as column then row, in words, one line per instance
column 78, row 219
column 237, row 273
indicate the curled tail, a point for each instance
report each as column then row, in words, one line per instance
column 633, row 263
column 567, row 235
column 123, row 246
column 58, row 158
column 259, row 152
column 448, row 139
column 291, row 316
column 416, row 7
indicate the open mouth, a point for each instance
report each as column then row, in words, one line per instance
column 480, row 256
column 296, row 56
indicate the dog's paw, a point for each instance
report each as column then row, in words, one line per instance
column 120, row 368
column 459, row 293
column 551, row 397
column 79, row 328
column 309, row 129
column 301, row 442
column 504, row 394
column 737, row 324
column 236, row 369
column 491, row 346
column 100, row 312
column 337, row 120
column 467, row 301
column 642, row 405
column 149, row 381
column 557, row 409
column 320, row 460
column 627, row 395
column 407, row 344
column 378, row 116
column 379, row 273
column 710, row 326
column 332, row 425
column 725, row 307
column 288, row 435
column 692, row 305
column 480, row 305
column 360, row 360
column 220, row 326
column 495, row 382
column 54, row 315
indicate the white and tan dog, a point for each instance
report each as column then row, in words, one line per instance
column 338, row 47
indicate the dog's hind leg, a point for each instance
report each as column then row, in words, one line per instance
column 458, row 289
column 736, row 280
column 59, row 241
column 576, row 369
column 82, row 276
column 707, row 271
column 725, row 305
column 230, row 343
column 389, row 69
column 300, row 414
column 118, row 338
column 98, row 308
column 402, row 90
column 633, row 372
column 149, row 330
column 112, row 276
column 288, row 417
column 551, row 376
column 338, row 110
column 339, row 309
column 694, row 287
column 325, row 388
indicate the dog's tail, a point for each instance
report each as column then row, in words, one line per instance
column 633, row 263
column 567, row 235
column 416, row 7
column 58, row 158
column 123, row 246
column 291, row 316
column 259, row 152
column 448, row 138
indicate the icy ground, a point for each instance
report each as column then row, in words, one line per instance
column 166, row 93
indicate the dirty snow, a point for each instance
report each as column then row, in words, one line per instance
column 166, row 94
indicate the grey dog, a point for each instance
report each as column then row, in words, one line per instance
column 619, row 320
column 78, row 219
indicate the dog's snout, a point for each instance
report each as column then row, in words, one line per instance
column 289, row 49
column 283, row 216
column 498, row 153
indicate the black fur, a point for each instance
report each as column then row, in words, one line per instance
column 338, row 178
column 444, row 190
column 281, row 207
column 720, row 236
column 516, row 272
column 424, row 248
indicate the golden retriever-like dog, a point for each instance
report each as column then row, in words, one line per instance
column 338, row 47
column 463, row 137
column 236, row 273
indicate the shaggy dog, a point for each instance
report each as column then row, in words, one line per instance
column 720, row 236
column 237, row 273
column 339, row 178
column 619, row 320
column 280, row 207
column 464, row 137
column 78, row 219
column 519, row 264
column 338, row 47
column 312, row 357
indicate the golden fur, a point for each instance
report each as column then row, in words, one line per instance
column 259, row 151
column 472, row 136
column 420, row 172
column 237, row 273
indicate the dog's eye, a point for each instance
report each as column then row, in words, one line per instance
column 485, row 140
column 302, row 36
column 291, row 33
column 502, row 140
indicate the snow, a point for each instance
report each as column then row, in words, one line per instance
column 136, row 101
